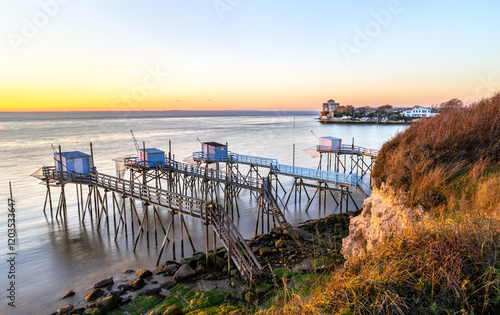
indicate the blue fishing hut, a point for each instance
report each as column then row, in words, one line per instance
column 151, row 157
column 330, row 144
column 73, row 161
column 214, row 151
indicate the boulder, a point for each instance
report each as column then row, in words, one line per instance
column 136, row 284
column 94, row 295
column 266, row 251
column 144, row 273
column 104, row 283
column 278, row 230
column 255, row 249
column 281, row 243
column 298, row 234
column 169, row 262
column 200, row 269
column 78, row 311
column 65, row 310
column 171, row 269
column 68, row 294
column 185, row 272
column 199, row 256
column 92, row 311
column 188, row 261
column 123, row 288
column 108, row 303
column 127, row 299
column 151, row 292
column 168, row 285
column 172, row 310
column 306, row 266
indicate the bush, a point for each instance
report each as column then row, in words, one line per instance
column 438, row 161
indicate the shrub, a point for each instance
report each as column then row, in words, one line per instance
column 440, row 159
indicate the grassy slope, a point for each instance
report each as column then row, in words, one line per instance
column 450, row 165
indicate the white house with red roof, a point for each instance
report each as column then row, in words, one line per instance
column 419, row 111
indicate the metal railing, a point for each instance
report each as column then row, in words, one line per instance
column 363, row 188
column 210, row 157
column 202, row 172
column 252, row 160
column 348, row 149
column 255, row 183
column 288, row 170
column 321, row 175
column 186, row 205
column 135, row 161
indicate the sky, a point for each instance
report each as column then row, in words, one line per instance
column 243, row 55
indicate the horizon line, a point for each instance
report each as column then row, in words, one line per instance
column 150, row 111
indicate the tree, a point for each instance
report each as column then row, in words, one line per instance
column 344, row 110
column 386, row 108
column 451, row 104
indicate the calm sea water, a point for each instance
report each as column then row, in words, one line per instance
column 53, row 258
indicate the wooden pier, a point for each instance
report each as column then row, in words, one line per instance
column 204, row 193
column 324, row 181
column 209, row 213
column 349, row 159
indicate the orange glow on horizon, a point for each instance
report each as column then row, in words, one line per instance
column 46, row 100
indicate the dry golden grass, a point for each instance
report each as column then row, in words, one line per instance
column 449, row 266
column 450, row 165
column 440, row 159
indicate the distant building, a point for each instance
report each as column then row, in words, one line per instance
column 418, row 111
column 328, row 109
column 330, row 106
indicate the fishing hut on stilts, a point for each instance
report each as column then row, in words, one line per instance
column 207, row 190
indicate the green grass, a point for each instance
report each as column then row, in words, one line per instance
column 190, row 300
column 222, row 309
column 282, row 272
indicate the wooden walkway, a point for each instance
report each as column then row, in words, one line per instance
column 245, row 182
column 212, row 214
column 348, row 149
column 346, row 180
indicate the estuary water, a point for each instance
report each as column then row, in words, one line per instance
column 52, row 258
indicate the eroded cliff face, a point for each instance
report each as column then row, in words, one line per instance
column 383, row 217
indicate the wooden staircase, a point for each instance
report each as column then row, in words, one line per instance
column 275, row 209
column 235, row 244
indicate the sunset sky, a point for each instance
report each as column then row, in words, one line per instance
column 242, row 54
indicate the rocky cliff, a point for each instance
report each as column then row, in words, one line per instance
column 384, row 217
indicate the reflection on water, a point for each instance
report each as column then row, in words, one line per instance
column 54, row 257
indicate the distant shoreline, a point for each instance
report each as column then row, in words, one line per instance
column 150, row 114
column 358, row 122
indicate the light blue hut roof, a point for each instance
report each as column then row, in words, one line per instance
column 152, row 150
column 73, row 154
column 330, row 138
